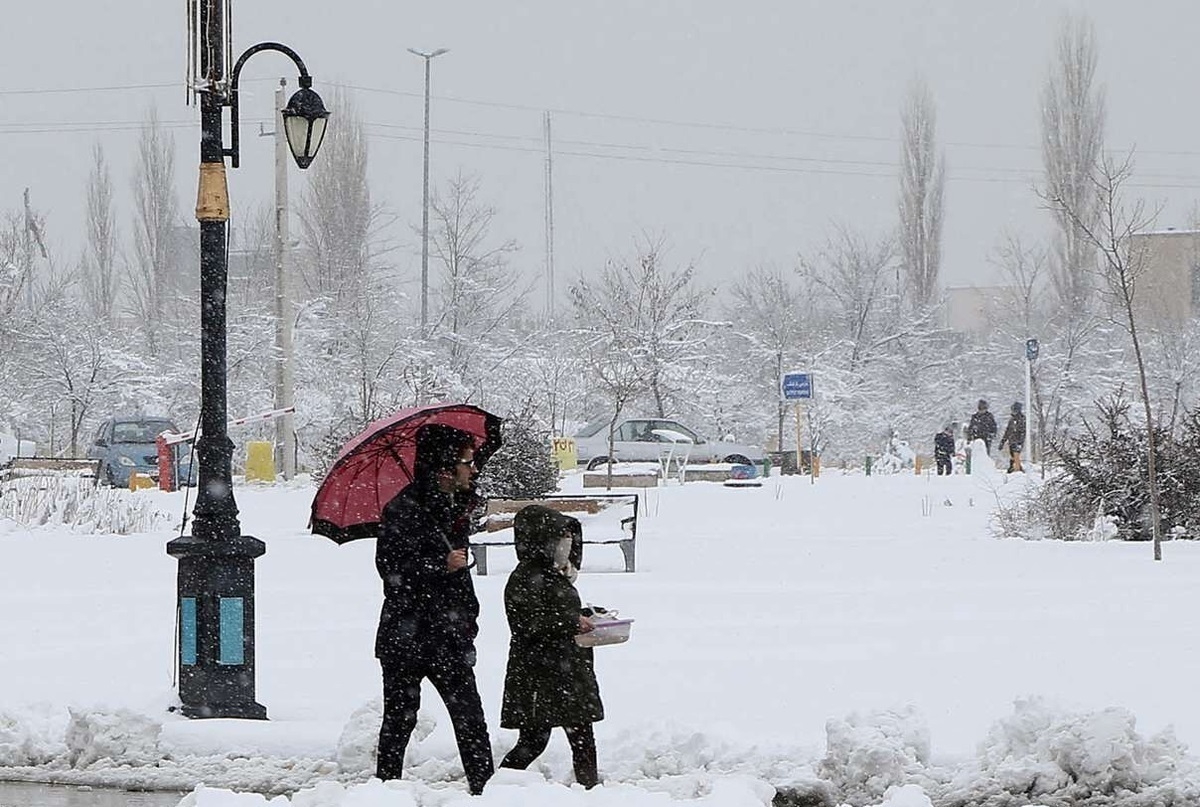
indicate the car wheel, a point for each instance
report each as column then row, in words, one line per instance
column 737, row 459
column 596, row 462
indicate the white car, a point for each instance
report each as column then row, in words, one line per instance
column 642, row 439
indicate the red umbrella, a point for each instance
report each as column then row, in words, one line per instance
column 377, row 464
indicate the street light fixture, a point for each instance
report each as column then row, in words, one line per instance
column 428, row 57
column 215, row 584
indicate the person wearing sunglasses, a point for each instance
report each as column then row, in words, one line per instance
column 429, row 619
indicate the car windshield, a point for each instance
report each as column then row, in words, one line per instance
column 140, row 431
column 593, row 427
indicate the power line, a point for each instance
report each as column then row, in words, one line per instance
column 784, row 131
column 688, row 157
column 710, row 125
column 109, row 88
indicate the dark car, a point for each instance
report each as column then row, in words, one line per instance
column 127, row 444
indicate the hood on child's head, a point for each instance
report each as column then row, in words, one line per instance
column 537, row 531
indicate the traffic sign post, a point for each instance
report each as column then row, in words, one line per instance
column 797, row 387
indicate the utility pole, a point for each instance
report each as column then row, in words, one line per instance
column 32, row 233
column 428, row 57
column 549, row 221
column 285, row 434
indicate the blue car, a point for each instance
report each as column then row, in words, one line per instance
column 127, row 444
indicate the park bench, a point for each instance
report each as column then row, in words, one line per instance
column 606, row 518
column 24, row 467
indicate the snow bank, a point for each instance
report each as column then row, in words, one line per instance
column 867, row 755
column 1039, row 755
column 119, row 737
column 1058, row 758
column 506, row 789
column 31, row 736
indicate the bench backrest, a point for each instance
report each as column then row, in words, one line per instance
column 50, row 466
column 604, row 517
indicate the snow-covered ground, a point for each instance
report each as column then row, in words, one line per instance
column 860, row 640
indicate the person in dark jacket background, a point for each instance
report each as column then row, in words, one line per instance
column 982, row 426
column 428, row 622
column 550, row 680
column 943, row 450
column 1014, row 437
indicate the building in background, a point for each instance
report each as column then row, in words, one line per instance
column 1168, row 287
column 975, row 309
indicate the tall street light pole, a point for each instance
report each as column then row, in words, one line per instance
column 428, row 57
column 215, row 583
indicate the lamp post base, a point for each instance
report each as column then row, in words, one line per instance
column 215, row 610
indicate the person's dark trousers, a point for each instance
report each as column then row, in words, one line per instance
column 454, row 680
column 944, row 467
column 532, row 742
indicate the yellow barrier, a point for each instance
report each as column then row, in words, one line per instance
column 260, row 461
column 140, row 481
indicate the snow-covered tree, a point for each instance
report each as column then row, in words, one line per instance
column 476, row 290
column 1073, row 115
column 153, row 273
column 922, row 191
column 773, row 330
column 523, row 467
column 98, row 267
column 339, row 224
column 1107, row 223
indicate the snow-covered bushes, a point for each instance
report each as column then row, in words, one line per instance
column 77, row 502
column 1103, row 478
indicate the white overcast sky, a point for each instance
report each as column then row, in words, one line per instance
column 739, row 131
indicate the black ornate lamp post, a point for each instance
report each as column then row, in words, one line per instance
column 216, row 562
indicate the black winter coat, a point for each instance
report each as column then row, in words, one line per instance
column 426, row 609
column 943, row 445
column 550, row 680
column 1014, row 433
column 982, row 426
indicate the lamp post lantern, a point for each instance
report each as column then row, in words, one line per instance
column 428, row 57
column 215, row 584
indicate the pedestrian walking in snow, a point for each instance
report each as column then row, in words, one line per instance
column 1014, row 438
column 427, row 626
column 982, row 426
column 550, row 680
column 943, row 451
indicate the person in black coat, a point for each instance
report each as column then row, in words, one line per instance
column 427, row 625
column 982, row 426
column 1014, row 437
column 550, row 680
column 943, row 451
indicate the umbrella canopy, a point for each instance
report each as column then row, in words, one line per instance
column 377, row 464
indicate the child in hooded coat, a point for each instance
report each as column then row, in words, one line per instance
column 550, row 680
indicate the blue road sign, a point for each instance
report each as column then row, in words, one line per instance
column 796, row 386
column 1031, row 349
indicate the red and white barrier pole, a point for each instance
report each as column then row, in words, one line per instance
column 168, row 440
